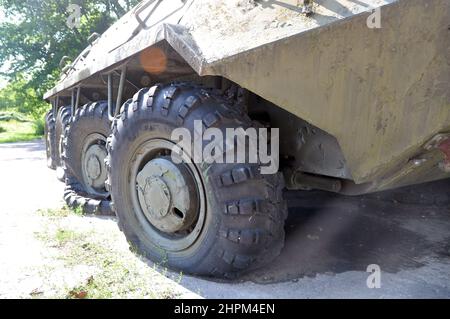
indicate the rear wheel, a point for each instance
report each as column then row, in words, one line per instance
column 83, row 155
column 62, row 121
column 50, row 139
column 209, row 219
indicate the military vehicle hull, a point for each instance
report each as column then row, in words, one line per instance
column 360, row 92
column 382, row 93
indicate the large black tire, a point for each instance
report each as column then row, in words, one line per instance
column 62, row 121
column 90, row 126
column 50, row 139
column 243, row 226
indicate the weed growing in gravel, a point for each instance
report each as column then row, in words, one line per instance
column 64, row 236
column 61, row 212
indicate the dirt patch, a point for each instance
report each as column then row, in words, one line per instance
column 91, row 259
column 58, row 253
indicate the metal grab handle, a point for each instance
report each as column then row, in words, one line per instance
column 94, row 36
column 67, row 68
column 139, row 10
column 64, row 61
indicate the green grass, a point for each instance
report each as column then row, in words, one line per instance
column 114, row 272
column 64, row 236
column 14, row 131
column 15, row 127
column 119, row 277
column 62, row 212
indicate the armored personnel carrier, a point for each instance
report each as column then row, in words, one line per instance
column 358, row 90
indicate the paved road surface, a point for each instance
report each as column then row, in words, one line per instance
column 330, row 239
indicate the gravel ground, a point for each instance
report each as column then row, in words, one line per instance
column 330, row 241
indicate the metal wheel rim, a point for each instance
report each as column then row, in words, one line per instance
column 165, row 241
column 94, row 139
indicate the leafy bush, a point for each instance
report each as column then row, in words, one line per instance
column 2, row 130
column 20, row 97
column 39, row 126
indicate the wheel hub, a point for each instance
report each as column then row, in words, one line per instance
column 157, row 197
column 93, row 166
column 164, row 196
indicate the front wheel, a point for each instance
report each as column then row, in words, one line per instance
column 210, row 219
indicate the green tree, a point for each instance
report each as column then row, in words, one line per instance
column 19, row 96
column 34, row 37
